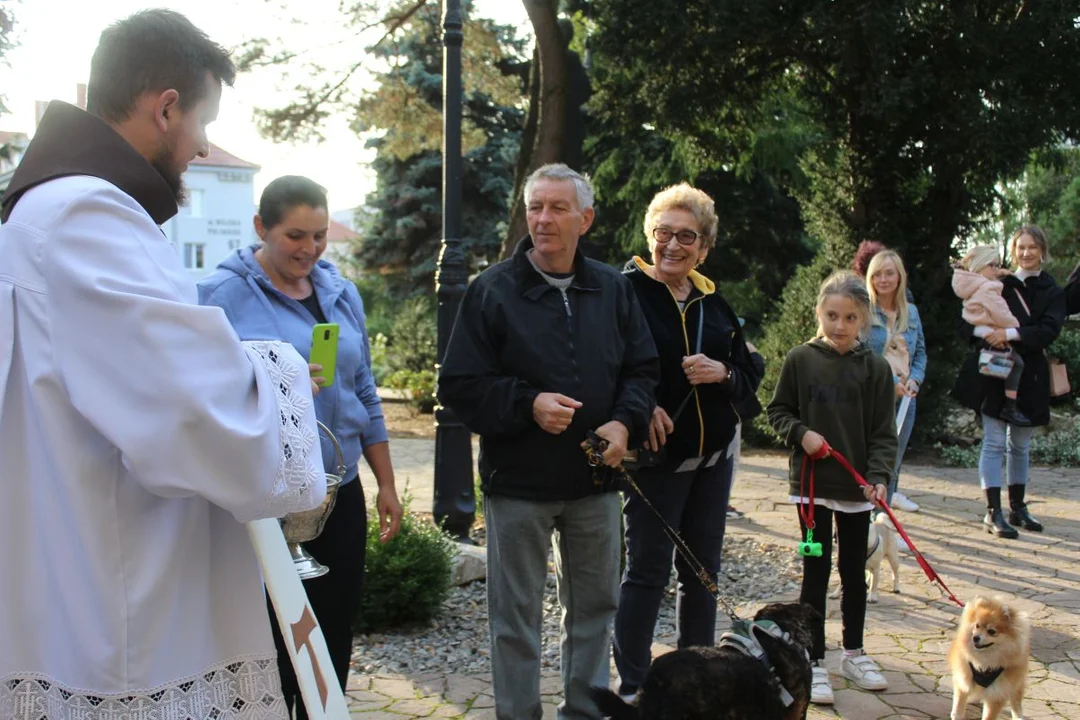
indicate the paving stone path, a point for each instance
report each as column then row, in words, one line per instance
column 908, row 634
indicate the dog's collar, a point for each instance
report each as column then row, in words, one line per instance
column 877, row 544
column 985, row 678
column 742, row 638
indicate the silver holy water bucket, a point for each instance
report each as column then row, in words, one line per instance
column 300, row 527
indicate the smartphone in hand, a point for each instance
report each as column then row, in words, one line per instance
column 324, row 339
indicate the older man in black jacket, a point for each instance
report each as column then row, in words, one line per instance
column 547, row 346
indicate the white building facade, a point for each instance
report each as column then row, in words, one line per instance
column 217, row 218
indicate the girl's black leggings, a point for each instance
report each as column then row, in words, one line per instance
column 852, row 530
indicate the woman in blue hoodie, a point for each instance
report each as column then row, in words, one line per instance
column 279, row 289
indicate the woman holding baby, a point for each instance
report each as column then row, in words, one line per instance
column 1038, row 305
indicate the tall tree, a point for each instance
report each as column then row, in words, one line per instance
column 922, row 105
column 404, row 229
column 922, row 108
column 401, row 234
column 556, row 89
column 760, row 238
column 554, row 127
column 1047, row 194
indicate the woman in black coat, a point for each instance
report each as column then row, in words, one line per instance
column 707, row 383
column 1039, row 305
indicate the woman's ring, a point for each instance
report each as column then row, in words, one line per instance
column 692, row 369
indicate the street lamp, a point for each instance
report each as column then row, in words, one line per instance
column 455, row 503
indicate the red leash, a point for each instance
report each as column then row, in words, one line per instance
column 827, row 451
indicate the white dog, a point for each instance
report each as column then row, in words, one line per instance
column 880, row 545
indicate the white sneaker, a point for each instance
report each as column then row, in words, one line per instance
column 900, row 502
column 864, row 672
column 821, row 687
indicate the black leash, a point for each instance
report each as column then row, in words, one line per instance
column 741, row 637
column 594, row 447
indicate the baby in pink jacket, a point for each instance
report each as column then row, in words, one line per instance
column 975, row 281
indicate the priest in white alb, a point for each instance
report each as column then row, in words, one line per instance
column 137, row 433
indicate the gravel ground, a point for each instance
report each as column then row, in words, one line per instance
column 457, row 642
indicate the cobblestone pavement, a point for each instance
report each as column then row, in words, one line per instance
column 907, row 633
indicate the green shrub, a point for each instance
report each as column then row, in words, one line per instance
column 380, row 358
column 965, row 456
column 379, row 304
column 792, row 323
column 420, row 385
column 1059, row 448
column 407, row 579
column 413, row 339
column 478, row 493
column 1067, row 349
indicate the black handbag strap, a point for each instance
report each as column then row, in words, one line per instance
column 697, row 351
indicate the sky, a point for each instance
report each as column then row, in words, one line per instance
column 57, row 38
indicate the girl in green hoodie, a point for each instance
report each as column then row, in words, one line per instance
column 835, row 389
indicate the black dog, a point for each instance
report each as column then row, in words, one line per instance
column 723, row 683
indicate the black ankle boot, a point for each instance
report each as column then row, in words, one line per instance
column 1019, row 514
column 1012, row 415
column 995, row 520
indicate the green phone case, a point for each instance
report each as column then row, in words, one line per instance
column 324, row 338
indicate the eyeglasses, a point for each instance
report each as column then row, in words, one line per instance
column 684, row 237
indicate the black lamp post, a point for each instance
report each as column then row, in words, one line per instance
column 455, row 503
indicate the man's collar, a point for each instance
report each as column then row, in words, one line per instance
column 529, row 279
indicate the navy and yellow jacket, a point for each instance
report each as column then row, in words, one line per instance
column 707, row 424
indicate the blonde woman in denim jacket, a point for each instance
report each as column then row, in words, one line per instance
column 897, row 335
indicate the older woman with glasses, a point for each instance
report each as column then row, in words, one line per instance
column 707, row 380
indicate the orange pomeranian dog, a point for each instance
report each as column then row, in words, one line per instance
column 989, row 658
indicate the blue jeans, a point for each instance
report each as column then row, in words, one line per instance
column 1012, row 442
column 585, row 537
column 901, row 445
column 694, row 504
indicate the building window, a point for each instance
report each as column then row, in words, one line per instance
column 194, row 205
column 195, row 256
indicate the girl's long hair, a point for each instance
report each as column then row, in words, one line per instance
column 876, row 262
column 846, row 284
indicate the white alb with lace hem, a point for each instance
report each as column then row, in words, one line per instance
column 137, row 436
column 246, row 689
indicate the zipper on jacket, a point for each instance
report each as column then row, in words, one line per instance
column 686, row 342
column 570, row 336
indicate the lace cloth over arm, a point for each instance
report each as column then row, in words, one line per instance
column 300, row 483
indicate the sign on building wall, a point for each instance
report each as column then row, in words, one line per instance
column 230, row 230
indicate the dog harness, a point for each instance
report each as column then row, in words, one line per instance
column 985, row 678
column 877, row 544
column 743, row 638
